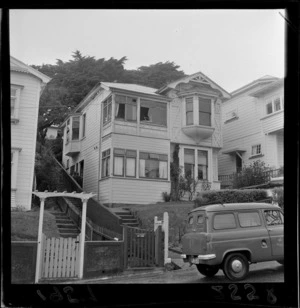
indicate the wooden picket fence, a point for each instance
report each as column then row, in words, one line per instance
column 60, row 257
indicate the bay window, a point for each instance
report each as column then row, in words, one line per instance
column 126, row 108
column 189, row 111
column 273, row 105
column 204, row 111
column 105, row 163
column 153, row 166
column 153, row 112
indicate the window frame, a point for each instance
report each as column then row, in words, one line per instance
column 188, row 112
column 249, row 212
column 257, row 146
column 83, row 125
column 220, row 214
column 272, row 102
column 77, row 128
column 203, row 179
column 107, row 110
column 105, row 158
column 150, row 121
column 18, row 88
column 159, row 157
column 126, row 103
column 205, row 112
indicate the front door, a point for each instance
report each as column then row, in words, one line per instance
column 239, row 163
column 274, row 219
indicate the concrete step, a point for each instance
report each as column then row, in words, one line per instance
column 131, row 224
column 58, row 214
column 72, row 231
column 129, row 220
column 67, row 226
column 66, row 235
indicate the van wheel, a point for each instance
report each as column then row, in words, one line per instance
column 236, row 266
column 207, row 270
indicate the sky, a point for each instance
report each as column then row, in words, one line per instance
column 231, row 47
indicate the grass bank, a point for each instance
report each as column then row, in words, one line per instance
column 177, row 215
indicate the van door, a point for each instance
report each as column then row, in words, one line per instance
column 274, row 222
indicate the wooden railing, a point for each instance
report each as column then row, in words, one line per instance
column 227, row 179
column 100, row 218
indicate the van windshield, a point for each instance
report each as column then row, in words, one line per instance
column 196, row 222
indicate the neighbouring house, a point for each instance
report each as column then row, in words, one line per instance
column 52, row 132
column 120, row 139
column 27, row 85
column 252, row 121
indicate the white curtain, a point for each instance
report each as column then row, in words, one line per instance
column 163, row 169
column 118, row 167
column 142, row 167
column 130, row 166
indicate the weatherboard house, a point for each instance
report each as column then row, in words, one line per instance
column 27, row 85
column 120, row 139
column 253, row 126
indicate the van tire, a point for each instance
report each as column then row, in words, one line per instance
column 207, row 270
column 236, row 266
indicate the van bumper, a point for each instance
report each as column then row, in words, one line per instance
column 197, row 259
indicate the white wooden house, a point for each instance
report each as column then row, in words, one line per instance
column 121, row 137
column 253, row 126
column 27, row 85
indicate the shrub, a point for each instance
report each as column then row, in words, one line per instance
column 278, row 196
column 253, row 174
column 229, row 196
column 166, row 196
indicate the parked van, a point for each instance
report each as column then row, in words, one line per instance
column 231, row 236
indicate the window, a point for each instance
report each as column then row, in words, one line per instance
column 124, row 160
column 68, row 131
column 153, row 166
column 14, row 167
column 189, row 162
column 200, row 219
column 269, row 108
column 75, row 128
column 277, row 106
column 273, row 105
column 126, row 108
column 249, row 219
column 274, row 218
column 72, row 170
column 107, row 110
column 68, row 164
column 153, row 112
column 256, row 149
column 14, row 101
column 189, row 111
column 83, row 125
column 191, row 220
column 224, row 221
column 105, row 163
column 204, row 111
column 202, row 165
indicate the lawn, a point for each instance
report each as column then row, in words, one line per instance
column 24, row 225
column 177, row 215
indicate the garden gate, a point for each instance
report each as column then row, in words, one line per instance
column 143, row 248
column 60, row 257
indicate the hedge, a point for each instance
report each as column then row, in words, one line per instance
column 230, row 196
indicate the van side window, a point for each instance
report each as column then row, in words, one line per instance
column 224, row 221
column 273, row 218
column 249, row 219
column 191, row 220
column 200, row 219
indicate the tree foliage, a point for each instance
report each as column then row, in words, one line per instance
column 73, row 80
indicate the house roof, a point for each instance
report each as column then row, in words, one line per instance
column 269, row 87
column 131, row 87
column 18, row 66
column 197, row 78
column 263, row 80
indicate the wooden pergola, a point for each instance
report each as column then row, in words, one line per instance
column 43, row 196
